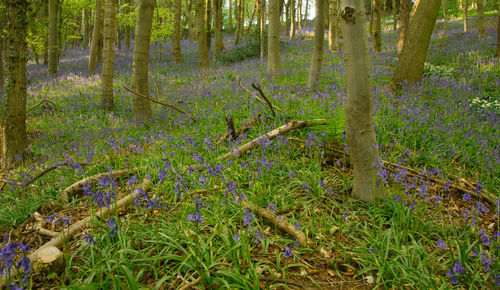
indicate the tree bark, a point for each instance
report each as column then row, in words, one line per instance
column 128, row 31
column 445, row 15
column 208, row 19
column 411, row 61
column 176, row 46
column 480, row 19
column 319, row 36
column 359, row 128
column 377, row 25
column 230, row 16
column 1, row 58
column 100, row 43
column 292, row 19
column 140, row 60
column 333, row 38
column 202, row 35
column 262, row 28
column 109, row 55
column 273, row 41
column 299, row 14
column 219, row 44
column 498, row 29
column 13, row 111
column 287, row 17
column 394, row 14
column 404, row 20
column 52, row 69
column 306, row 14
column 466, row 16
column 95, row 37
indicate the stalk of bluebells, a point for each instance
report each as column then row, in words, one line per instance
column 196, row 216
column 288, row 252
column 114, row 227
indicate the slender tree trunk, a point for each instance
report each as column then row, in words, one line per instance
column 377, row 43
column 128, row 31
column 359, row 128
column 140, row 60
column 404, row 21
column 273, row 42
column 262, row 28
column 202, row 35
column 52, row 37
column 100, row 43
column 85, row 29
column 95, row 37
column 107, row 101
column 333, row 40
column 411, row 61
column 480, row 19
column 466, row 16
column 287, row 18
column 176, row 47
column 394, row 14
column 238, row 21
column 230, row 15
column 219, row 44
column 306, row 14
column 292, row 19
column 13, row 137
column 208, row 18
column 319, row 36
column 1, row 58
column 498, row 30
column 445, row 15
column 299, row 14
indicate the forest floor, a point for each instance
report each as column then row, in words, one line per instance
column 207, row 225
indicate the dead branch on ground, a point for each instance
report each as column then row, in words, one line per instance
column 240, row 130
column 255, row 96
column 257, row 87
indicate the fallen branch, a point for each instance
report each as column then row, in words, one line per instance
column 292, row 125
column 191, row 284
column 161, row 103
column 253, row 95
column 239, row 131
column 257, row 87
column 230, row 127
column 77, row 187
column 41, row 103
column 415, row 173
column 39, row 226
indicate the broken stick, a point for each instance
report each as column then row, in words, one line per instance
column 255, row 96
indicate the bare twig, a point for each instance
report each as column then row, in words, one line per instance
column 238, row 131
column 257, row 87
column 230, row 127
column 255, row 96
column 39, row 226
column 161, row 103
column 41, row 103
column 191, row 284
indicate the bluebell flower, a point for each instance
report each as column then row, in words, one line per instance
column 297, row 225
column 288, row 252
column 24, row 263
column 272, row 207
column 247, row 219
column 441, row 244
column 88, row 238
column 237, row 237
column 113, row 226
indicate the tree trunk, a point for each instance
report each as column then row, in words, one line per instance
column 208, row 19
column 411, row 61
column 394, row 14
column 262, row 28
column 287, row 18
column 319, row 36
column 176, row 46
column 292, row 19
column 333, row 39
column 306, row 14
column 480, row 19
column 202, row 35
column 238, row 21
column 85, row 27
column 95, row 37
column 230, row 16
column 109, row 55
column 100, row 43
column 140, row 59
column 445, row 15
column 128, row 31
column 273, row 40
column 299, row 14
column 359, row 128
column 377, row 31
column 219, row 44
column 466, row 16
column 404, row 21
column 1, row 58
column 13, row 137
column 498, row 30
column 52, row 37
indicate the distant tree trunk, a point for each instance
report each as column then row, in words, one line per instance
column 287, row 18
column 107, row 101
column 411, row 61
column 13, row 112
column 306, row 14
column 359, row 128
column 238, row 21
column 273, row 40
column 128, row 31
column 176, row 46
column 262, row 28
column 100, row 43
column 95, row 37
column 498, row 30
column 445, row 15
column 333, row 40
column 230, row 15
column 466, row 16
column 480, row 19
column 219, row 44
column 52, row 37
column 85, row 29
column 242, row 17
column 299, row 14
column 208, row 18
column 140, row 59
column 292, row 19
column 202, row 35
column 1, row 57
column 404, row 21
column 377, row 43
column 394, row 14
column 319, row 36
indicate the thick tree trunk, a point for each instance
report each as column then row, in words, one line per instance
column 292, row 19
column 299, row 14
column 262, row 28
column 273, row 41
column 202, row 35
column 208, row 19
column 176, row 46
column 52, row 37
column 109, row 55
column 13, row 112
column 140, row 60
column 404, row 21
column 377, row 25
column 219, row 44
column 394, row 15
column 466, row 15
column 359, row 128
column 96, row 35
column 445, row 15
column 480, row 19
column 411, row 61
column 333, row 38
column 319, row 36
